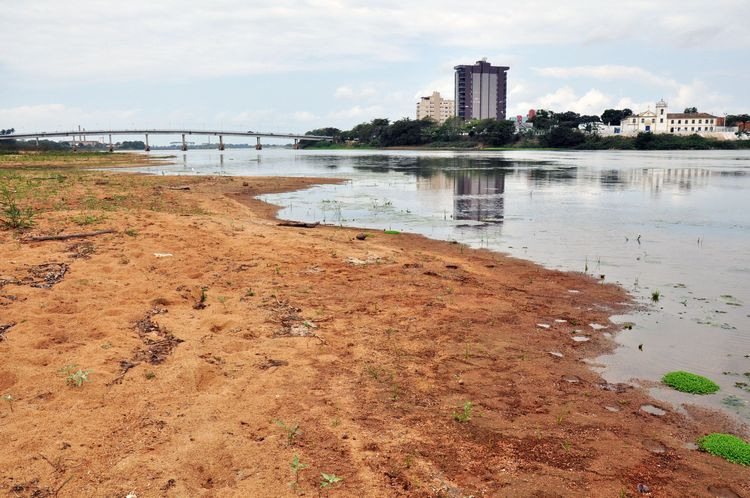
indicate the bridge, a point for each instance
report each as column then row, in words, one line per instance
column 216, row 133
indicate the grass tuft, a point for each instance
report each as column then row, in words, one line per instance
column 726, row 446
column 690, row 383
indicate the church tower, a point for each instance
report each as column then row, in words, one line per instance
column 662, row 123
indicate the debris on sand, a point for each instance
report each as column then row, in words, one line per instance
column 4, row 328
column 81, row 250
column 158, row 341
column 46, row 275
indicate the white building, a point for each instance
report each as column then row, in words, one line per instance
column 435, row 107
column 662, row 121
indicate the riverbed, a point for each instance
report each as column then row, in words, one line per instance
column 673, row 228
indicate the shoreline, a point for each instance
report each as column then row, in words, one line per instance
column 326, row 340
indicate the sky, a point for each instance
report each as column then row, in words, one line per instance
column 292, row 66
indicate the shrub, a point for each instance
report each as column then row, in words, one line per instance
column 690, row 383
column 726, row 446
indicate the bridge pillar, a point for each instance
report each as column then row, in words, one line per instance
column 221, row 142
column 111, row 147
column 147, row 147
column 184, row 144
column 258, row 146
column 296, row 144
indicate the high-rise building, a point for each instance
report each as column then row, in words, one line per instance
column 435, row 107
column 481, row 90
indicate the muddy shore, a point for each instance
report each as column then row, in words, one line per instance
column 213, row 346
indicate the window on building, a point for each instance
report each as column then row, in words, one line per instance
column 679, row 121
column 672, row 121
column 693, row 121
column 671, row 130
column 692, row 128
column 633, row 120
column 662, row 112
column 661, row 120
column 699, row 128
column 643, row 120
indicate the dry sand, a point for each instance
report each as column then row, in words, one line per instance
column 369, row 347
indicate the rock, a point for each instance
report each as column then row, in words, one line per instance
column 542, row 325
column 653, row 410
column 245, row 184
column 613, row 409
column 654, row 446
column 556, row 354
column 581, row 338
column 571, row 379
column 597, row 326
column 361, row 236
column 642, row 488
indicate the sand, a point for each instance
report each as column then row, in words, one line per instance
column 218, row 346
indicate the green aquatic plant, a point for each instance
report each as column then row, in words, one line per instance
column 726, row 446
column 690, row 383
column 655, row 296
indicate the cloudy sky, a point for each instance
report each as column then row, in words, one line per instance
column 296, row 65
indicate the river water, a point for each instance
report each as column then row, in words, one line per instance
column 676, row 223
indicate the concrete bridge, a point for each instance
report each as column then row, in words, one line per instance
column 217, row 133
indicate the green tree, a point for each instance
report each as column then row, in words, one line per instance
column 563, row 137
column 494, row 131
column 544, row 119
column 691, row 110
column 615, row 116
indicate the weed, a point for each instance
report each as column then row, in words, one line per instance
column 336, row 422
column 726, row 446
column 464, row 416
column 395, row 391
column 73, row 377
column 150, row 375
column 222, row 299
column 130, row 232
column 249, row 293
column 11, row 215
column 87, row 219
column 9, row 399
column 297, row 467
column 655, row 296
column 106, row 345
column 628, row 325
column 278, row 270
column 329, row 479
column 690, row 383
column 567, row 445
column 391, row 232
column 292, row 431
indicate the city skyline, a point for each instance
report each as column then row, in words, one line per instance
column 301, row 65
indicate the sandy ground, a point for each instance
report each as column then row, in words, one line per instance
column 356, row 356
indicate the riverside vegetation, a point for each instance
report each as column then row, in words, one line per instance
column 551, row 130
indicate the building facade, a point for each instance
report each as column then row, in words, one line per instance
column 435, row 107
column 662, row 121
column 481, row 91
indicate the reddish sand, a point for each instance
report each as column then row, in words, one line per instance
column 368, row 346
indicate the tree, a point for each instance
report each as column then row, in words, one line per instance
column 544, row 119
column 564, row 137
column 615, row 116
column 691, row 110
column 738, row 119
column 494, row 132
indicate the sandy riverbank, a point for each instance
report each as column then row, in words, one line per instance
column 368, row 346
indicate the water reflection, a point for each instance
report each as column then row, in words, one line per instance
column 478, row 195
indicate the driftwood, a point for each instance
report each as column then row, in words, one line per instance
column 68, row 236
column 297, row 224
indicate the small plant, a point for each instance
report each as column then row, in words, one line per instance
column 222, row 299
column 465, row 415
column 567, row 445
column 130, row 232
column 87, row 219
column 391, row 232
column 292, row 431
column 9, row 399
column 690, row 383
column 726, row 446
column 73, row 377
column 329, row 479
column 150, row 375
column 11, row 215
column 655, row 296
column 297, row 467
column 201, row 304
column 249, row 293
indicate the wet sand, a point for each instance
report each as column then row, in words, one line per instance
column 369, row 347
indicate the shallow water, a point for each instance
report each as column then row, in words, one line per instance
column 673, row 222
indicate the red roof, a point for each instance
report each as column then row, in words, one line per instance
column 695, row 115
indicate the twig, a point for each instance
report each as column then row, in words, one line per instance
column 297, row 224
column 69, row 236
column 57, row 491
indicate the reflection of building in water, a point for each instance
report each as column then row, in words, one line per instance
column 478, row 195
column 658, row 179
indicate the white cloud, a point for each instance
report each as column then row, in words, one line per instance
column 607, row 72
column 172, row 39
column 303, row 116
column 49, row 117
column 362, row 92
column 357, row 113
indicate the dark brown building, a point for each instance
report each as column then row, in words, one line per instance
column 481, row 91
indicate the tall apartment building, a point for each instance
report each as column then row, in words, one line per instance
column 481, row 90
column 435, row 107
